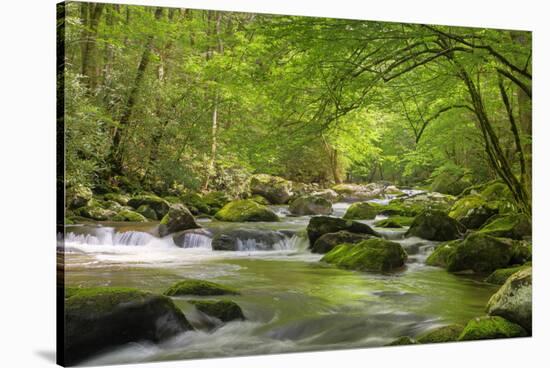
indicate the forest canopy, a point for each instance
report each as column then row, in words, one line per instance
column 159, row 98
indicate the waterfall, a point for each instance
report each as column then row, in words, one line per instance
column 108, row 236
column 196, row 240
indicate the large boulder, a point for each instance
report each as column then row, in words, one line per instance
column 320, row 225
column 77, row 196
column 159, row 205
column 472, row 211
column 277, row 190
column 362, row 211
column 224, row 310
column 513, row 300
column 440, row 257
column 375, row 255
column 499, row 277
column 200, row 288
column 310, row 205
column 435, row 225
column 245, row 210
column 101, row 318
column 328, row 241
column 128, row 215
column 357, row 192
column 248, row 239
column 178, row 218
column 483, row 253
column 328, row 194
column 491, row 327
column 515, row 226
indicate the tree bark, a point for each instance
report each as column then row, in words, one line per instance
column 89, row 57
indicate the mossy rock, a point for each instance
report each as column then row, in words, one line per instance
column 499, row 277
column 245, row 210
column 362, row 211
column 441, row 334
column 320, row 225
column 172, row 199
column 329, row 241
column 496, row 190
column 395, row 222
column 215, row 201
column 473, row 211
column 259, row 199
column 513, row 300
column 398, row 208
column 435, row 225
column 442, row 253
column 159, row 205
column 224, row 310
column 346, row 188
column 240, row 239
column 78, row 196
column 449, row 182
column 491, row 327
column 403, row 340
column 178, row 218
column 106, row 317
column 200, row 288
column 95, row 211
column 310, row 205
column 127, row 215
column 375, row 255
column 276, row 189
column 146, row 211
column 483, row 254
column 515, row 226
column 120, row 198
column 196, row 203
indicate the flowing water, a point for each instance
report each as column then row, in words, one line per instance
column 292, row 302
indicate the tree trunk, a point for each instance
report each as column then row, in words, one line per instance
column 89, row 57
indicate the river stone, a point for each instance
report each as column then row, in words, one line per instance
column 395, row 222
column 310, row 205
column 146, row 211
column 78, row 196
column 483, row 253
column 491, row 327
column 120, row 198
column 320, row 225
column 515, row 226
column 328, row 241
column 513, row 300
column 472, row 211
column 224, row 310
column 245, row 210
column 375, row 255
column 159, row 205
column 200, row 288
column 179, row 237
column 128, row 215
column 500, row 276
column 442, row 253
column 277, row 190
column 247, row 239
column 441, row 334
column 178, row 218
column 101, row 318
column 95, row 211
column 328, row 194
column 435, row 225
column 362, row 211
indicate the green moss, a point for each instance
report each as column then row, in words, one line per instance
column 403, row 340
column 215, row 201
column 224, row 310
column 197, row 204
column 245, row 210
column 435, row 225
column 375, row 255
column 104, row 298
column 441, row 255
column 491, row 328
column 500, row 276
column 345, row 188
column 320, row 225
column 172, row 199
column 121, row 199
column 441, row 334
column 515, row 226
column 94, row 210
column 310, row 205
column 329, row 241
column 362, row 211
column 398, row 208
column 127, row 215
column 395, row 222
column 496, row 191
column 146, row 211
column 199, row 287
column 259, row 199
column 159, row 205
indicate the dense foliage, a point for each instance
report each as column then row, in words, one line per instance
column 163, row 98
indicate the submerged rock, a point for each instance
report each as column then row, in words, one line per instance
column 277, row 190
column 376, row 255
column 435, row 225
column 199, row 287
column 513, row 300
column 224, row 310
column 248, row 239
column 178, row 218
column 310, row 205
column 328, row 241
column 362, row 211
column 320, row 225
column 245, row 210
column 515, row 226
column 491, row 327
column 102, row 318
column 159, row 205
column 441, row 334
